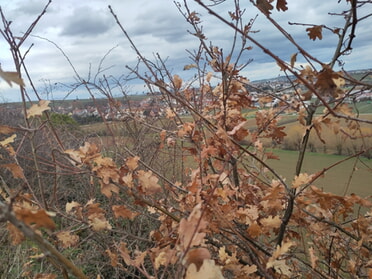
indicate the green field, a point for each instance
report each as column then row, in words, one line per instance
column 336, row 179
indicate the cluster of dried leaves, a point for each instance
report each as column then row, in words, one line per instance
column 231, row 215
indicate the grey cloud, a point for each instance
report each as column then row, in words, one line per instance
column 86, row 21
column 32, row 7
column 167, row 25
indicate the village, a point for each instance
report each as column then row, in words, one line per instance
column 154, row 104
column 85, row 111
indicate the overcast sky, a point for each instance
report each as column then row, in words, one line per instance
column 86, row 31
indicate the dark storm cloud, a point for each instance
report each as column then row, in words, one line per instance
column 86, row 21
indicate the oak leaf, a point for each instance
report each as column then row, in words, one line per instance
column 136, row 260
column 96, row 217
column 108, row 189
column 209, row 270
column 107, row 174
column 10, row 77
column 271, row 222
column 128, row 180
column 38, row 218
column 281, row 5
column 280, row 266
column 71, row 205
column 307, row 95
column 264, row 6
column 38, row 109
column 197, row 256
column 315, row 32
column 99, row 224
column 177, row 81
column 191, row 230
column 148, row 182
column 161, row 259
column 249, row 269
column 279, row 251
column 67, row 239
column 122, row 211
column 301, row 179
column 254, row 229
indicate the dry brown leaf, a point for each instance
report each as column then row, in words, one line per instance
column 190, row 66
column 67, row 239
column 197, row 256
column 161, row 259
column 10, row 77
column 301, row 179
column 124, row 212
column 271, row 222
column 280, row 250
column 8, row 140
column 177, row 81
column 148, row 182
column 96, row 217
column 293, row 59
column 132, row 162
column 38, row 109
column 99, row 224
column 108, row 189
column 281, row 5
column 254, row 229
column 39, row 218
column 264, row 6
column 315, row 32
column 281, row 267
column 169, row 113
column 209, row 270
column 71, row 205
column 128, row 180
column 191, row 229
column 249, row 269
